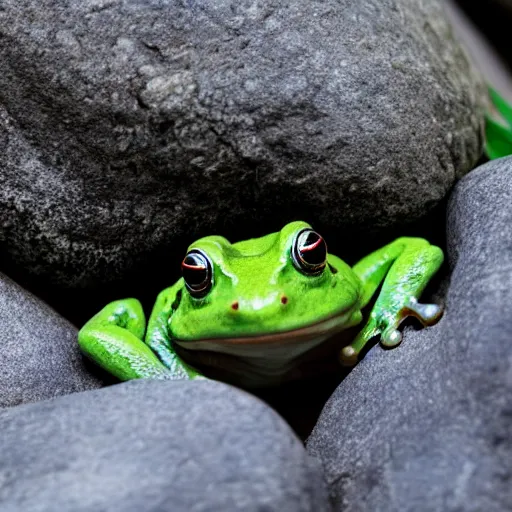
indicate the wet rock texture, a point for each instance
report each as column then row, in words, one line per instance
column 127, row 128
column 427, row 426
column 155, row 446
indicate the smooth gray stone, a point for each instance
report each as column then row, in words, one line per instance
column 39, row 355
column 129, row 127
column 155, row 446
column 428, row 426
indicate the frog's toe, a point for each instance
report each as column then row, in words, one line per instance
column 348, row 356
column 391, row 337
column 427, row 314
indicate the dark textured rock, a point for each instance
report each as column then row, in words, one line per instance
column 155, row 446
column 39, row 356
column 131, row 126
column 427, row 426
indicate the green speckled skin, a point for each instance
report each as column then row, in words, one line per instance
column 275, row 304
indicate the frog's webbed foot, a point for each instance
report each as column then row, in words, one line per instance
column 427, row 314
column 387, row 326
column 404, row 267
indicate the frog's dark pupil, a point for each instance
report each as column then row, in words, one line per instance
column 196, row 270
column 312, row 248
column 310, row 252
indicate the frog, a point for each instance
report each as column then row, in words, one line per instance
column 255, row 311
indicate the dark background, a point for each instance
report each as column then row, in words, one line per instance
column 493, row 18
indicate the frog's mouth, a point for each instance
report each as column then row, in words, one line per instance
column 269, row 359
column 291, row 343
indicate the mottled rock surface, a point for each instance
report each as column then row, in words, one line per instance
column 427, row 426
column 155, row 446
column 129, row 127
column 39, row 355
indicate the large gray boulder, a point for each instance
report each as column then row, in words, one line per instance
column 39, row 355
column 427, row 426
column 131, row 126
column 155, row 446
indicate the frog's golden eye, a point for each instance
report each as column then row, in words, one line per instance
column 309, row 252
column 196, row 269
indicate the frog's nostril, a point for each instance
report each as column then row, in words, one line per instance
column 284, row 299
column 235, row 305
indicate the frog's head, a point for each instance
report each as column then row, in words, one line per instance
column 279, row 286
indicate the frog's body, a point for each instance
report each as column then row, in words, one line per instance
column 256, row 311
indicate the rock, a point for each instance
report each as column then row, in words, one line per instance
column 155, row 446
column 128, row 128
column 427, row 426
column 39, row 355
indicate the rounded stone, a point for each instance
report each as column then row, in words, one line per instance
column 131, row 127
column 155, row 446
column 39, row 354
column 426, row 426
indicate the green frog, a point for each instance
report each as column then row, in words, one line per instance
column 261, row 311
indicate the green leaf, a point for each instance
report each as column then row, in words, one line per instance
column 501, row 106
column 498, row 139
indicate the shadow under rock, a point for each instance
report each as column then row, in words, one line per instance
column 301, row 402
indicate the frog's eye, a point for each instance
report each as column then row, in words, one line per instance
column 309, row 252
column 197, row 273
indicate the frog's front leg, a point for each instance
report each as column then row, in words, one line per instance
column 406, row 266
column 157, row 335
column 113, row 339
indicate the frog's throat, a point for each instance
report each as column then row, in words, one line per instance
column 267, row 359
column 317, row 331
